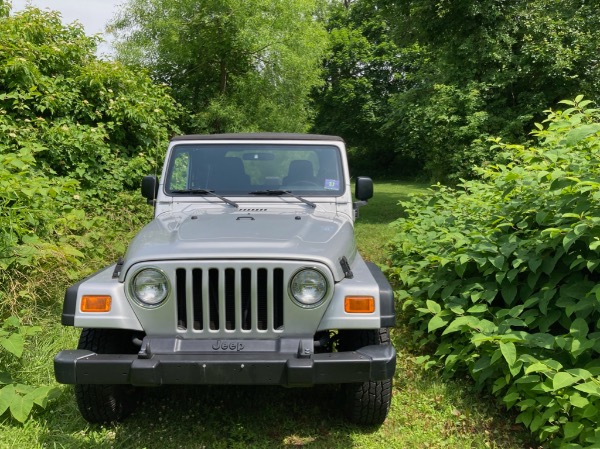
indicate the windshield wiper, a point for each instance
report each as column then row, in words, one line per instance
column 283, row 192
column 205, row 192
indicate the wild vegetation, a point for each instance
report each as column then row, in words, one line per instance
column 75, row 132
column 498, row 274
column 501, row 276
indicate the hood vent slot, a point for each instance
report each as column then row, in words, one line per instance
column 253, row 209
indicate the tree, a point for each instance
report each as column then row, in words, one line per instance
column 490, row 67
column 364, row 69
column 236, row 66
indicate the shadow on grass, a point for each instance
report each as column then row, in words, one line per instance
column 216, row 417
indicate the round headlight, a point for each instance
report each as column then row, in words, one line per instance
column 150, row 287
column 308, row 287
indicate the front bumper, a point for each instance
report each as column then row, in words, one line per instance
column 370, row 363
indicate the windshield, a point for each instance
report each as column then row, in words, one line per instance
column 245, row 169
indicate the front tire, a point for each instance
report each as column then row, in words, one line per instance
column 99, row 404
column 366, row 403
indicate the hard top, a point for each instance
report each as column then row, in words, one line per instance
column 257, row 136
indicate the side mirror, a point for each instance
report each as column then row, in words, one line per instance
column 363, row 191
column 363, row 188
column 150, row 188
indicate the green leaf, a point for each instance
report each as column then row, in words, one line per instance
column 581, row 373
column 516, row 368
column 20, row 407
column 13, row 344
column 534, row 263
column 436, row 322
column 7, row 396
column 12, row 321
column 497, row 261
column 433, row 307
column 460, row 322
column 562, row 380
column 581, row 133
column 5, row 378
column 478, row 308
column 579, row 328
column 590, row 387
column 509, row 293
column 572, row 429
column 509, row 351
column 537, row 422
column 540, row 340
column 568, row 240
column 525, row 417
column 576, row 400
column 41, row 395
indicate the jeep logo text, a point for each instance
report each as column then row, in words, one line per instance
column 227, row 346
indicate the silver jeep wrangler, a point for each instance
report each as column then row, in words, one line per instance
column 248, row 274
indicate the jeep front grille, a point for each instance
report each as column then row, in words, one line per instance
column 229, row 299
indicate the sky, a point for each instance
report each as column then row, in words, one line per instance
column 93, row 14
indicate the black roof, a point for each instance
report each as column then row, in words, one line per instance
column 257, row 136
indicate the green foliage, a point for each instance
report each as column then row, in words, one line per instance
column 431, row 80
column 445, row 126
column 18, row 398
column 31, row 204
column 93, row 121
column 502, row 276
column 74, row 132
column 237, row 66
column 361, row 73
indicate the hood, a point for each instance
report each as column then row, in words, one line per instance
column 225, row 234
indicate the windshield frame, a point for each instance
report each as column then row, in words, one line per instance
column 200, row 154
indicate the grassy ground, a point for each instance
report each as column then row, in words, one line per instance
column 427, row 412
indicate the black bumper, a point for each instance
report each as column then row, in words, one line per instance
column 86, row 367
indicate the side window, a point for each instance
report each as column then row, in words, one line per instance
column 180, row 174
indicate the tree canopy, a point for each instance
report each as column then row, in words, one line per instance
column 456, row 73
column 236, row 66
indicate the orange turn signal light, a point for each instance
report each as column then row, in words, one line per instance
column 95, row 303
column 359, row 304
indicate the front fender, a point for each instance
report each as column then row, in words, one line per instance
column 367, row 280
column 120, row 316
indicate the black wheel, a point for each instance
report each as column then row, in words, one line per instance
column 100, row 404
column 366, row 403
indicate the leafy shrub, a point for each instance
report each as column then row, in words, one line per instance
column 74, row 133
column 30, row 205
column 94, row 121
column 18, row 398
column 501, row 276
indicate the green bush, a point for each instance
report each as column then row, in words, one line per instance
column 98, row 122
column 75, row 132
column 501, row 276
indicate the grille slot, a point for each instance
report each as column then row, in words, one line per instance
column 229, row 299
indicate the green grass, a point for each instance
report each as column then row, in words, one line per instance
column 426, row 412
column 372, row 227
